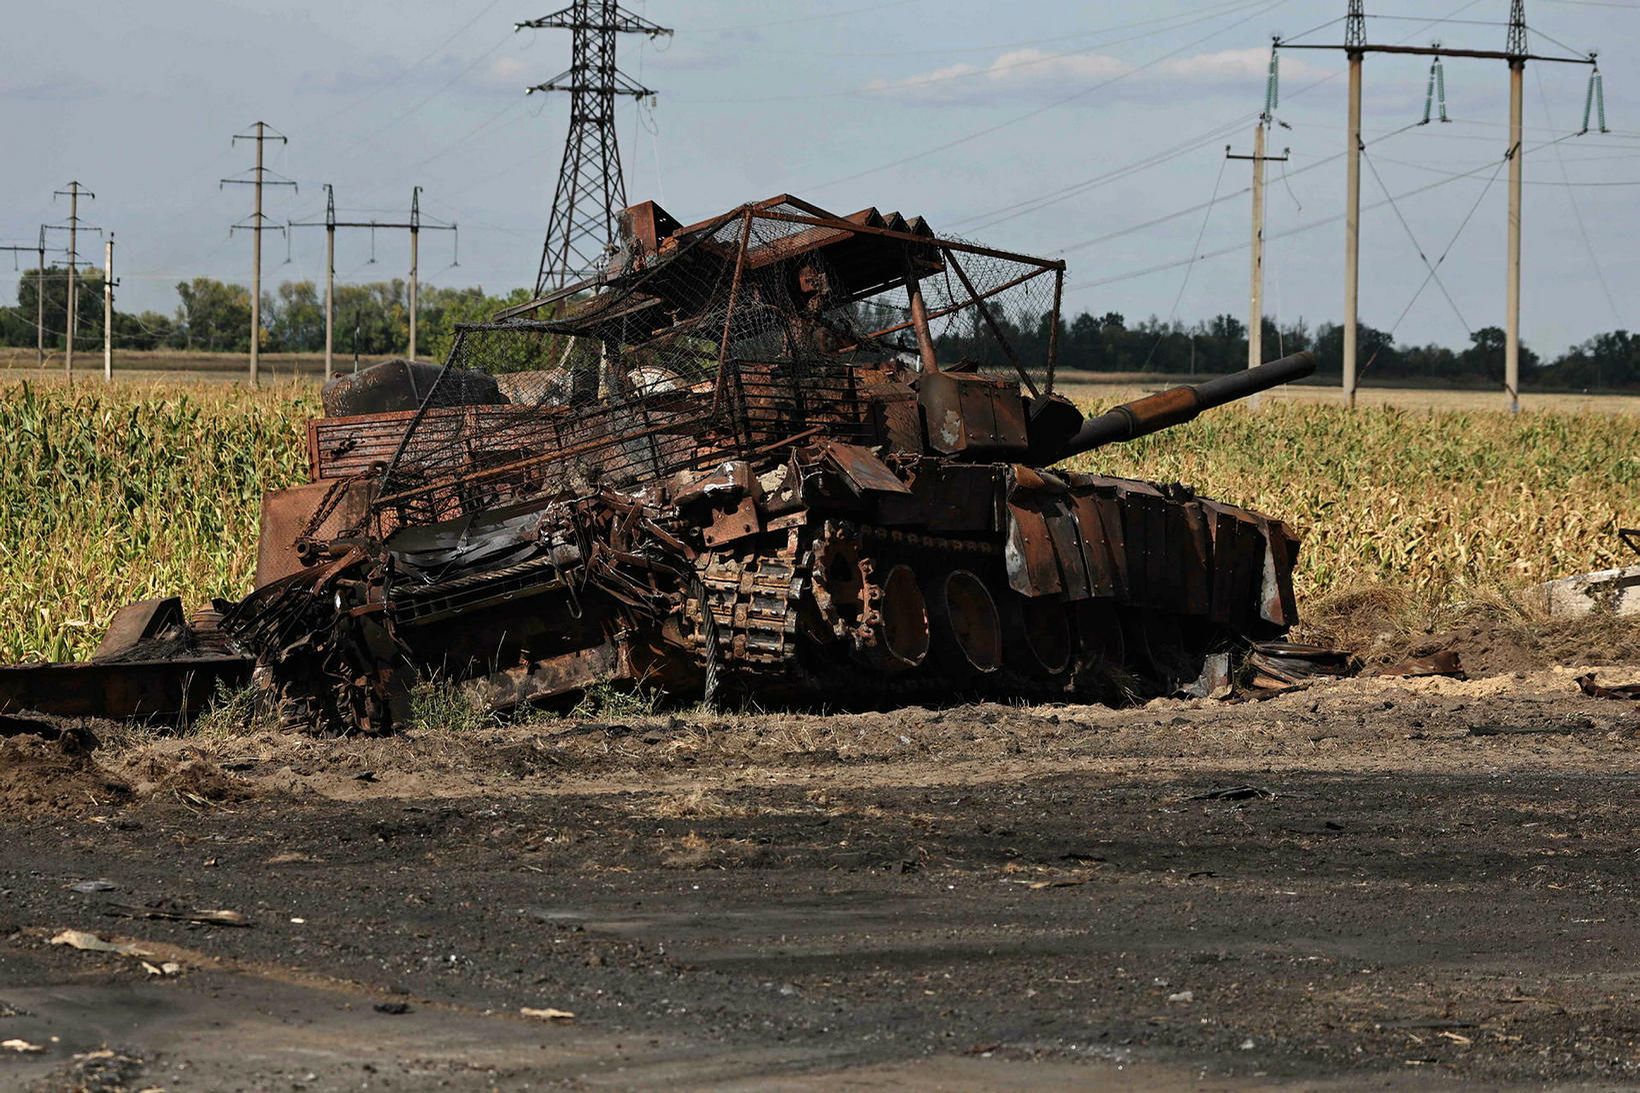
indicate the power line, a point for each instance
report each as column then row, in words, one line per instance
column 1016, row 119
column 1577, row 212
column 1190, row 266
column 912, row 84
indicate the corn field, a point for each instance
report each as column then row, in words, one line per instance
column 114, row 495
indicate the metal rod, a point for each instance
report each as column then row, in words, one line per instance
column 729, row 312
column 909, row 237
column 1427, row 51
column 940, row 313
column 990, row 321
column 919, row 317
column 1053, row 331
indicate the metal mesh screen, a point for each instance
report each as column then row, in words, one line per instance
column 733, row 338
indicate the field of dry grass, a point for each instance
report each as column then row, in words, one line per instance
column 112, row 495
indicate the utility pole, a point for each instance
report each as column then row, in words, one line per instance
column 415, row 235
column 414, row 226
column 1516, row 48
column 108, row 308
column 1515, row 53
column 38, row 249
column 73, row 194
column 1255, row 319
column 590, row 188
column 40, row 303
column 1355, row 41
column 260, row 136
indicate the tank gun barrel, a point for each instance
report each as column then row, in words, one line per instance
column 1178, row 405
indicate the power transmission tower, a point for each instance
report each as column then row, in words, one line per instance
column 1515, row 52
column 590, row 188
column 414, row 225
column 258, row 179
column 73, row 193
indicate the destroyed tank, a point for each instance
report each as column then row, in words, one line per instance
column 779, row 454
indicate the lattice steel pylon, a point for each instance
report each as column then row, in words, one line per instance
column 1516, row 46
column 590, row 190
column 1355, row 25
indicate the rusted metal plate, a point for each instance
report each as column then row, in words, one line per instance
column 1097, row 563
column 137, row 622
column 732, row 524
column 1028, row 553
column 972, row 413
column 1196, row 580
column 143, row 690
column 1278, row 606
column 288, row 514
column 952, row 497
column 551, row 677
column 1067, row 545
column 863, row 473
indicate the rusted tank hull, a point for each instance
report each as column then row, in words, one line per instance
column 738, row 464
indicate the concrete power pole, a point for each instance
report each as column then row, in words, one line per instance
column 415, row 234
column 415, row 227
column 73, row 194
column 261, row 136
column 1355, row 40
column 1515, row 53
column 108, row 308
column 1516, row 48
column 38, row 249
column 40, row 303
column 1255, row 317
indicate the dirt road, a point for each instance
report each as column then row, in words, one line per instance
column 1385, row 883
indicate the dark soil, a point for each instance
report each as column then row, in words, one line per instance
column 1347, row 886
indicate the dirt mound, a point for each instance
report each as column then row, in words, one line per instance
column 191, row 778
column 54, row 777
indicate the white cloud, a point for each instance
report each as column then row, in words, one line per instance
column 1013, row 71
column 1233, row 66
column 511, row 74
column 1023, row 72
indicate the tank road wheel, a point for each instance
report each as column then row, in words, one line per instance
column 967, row 626
column 894, row 629
column 1161, row 651
column 1040, row 642
column 876, row 609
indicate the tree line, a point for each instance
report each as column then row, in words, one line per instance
column 374, row 319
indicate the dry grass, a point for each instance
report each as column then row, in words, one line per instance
column 1433, row 503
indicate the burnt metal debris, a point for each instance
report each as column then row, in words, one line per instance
column 779, row 453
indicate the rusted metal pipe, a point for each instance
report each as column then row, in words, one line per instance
column 1178, row 405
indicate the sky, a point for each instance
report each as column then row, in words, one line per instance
column 1092, row 131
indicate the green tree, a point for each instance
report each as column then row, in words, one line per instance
column 214, row 316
